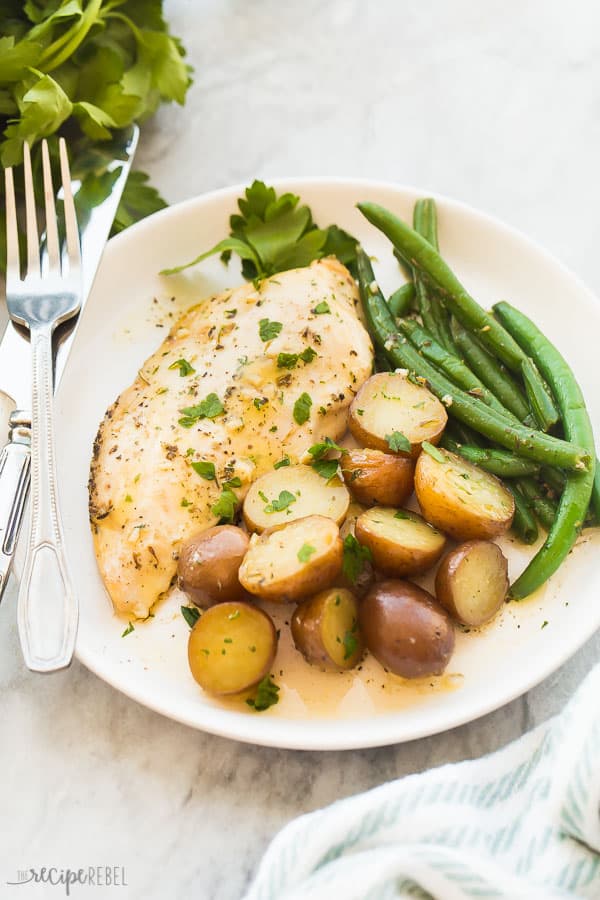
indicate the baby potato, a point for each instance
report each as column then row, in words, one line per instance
column 365, row 577
column 388, row 403
column 401, row 541
column 406, row 630
column 293, row 492
column 460, row 498
column 208, row 565
column 472, row 582
column 326, row 631
column 376, row 477
column 231, row 647
column 293, row 561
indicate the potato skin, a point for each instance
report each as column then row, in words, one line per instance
column 391, row 557
column 309, row 624
column 208, row 565
column 375, row 387
column 446, row 581
column 457, row 513
column 377, row 477
column 220, row 644
column 406, row 630
column 271, row 583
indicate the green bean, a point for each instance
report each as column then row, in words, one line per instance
column 381, row 362
column 495, row 377
column 401, row 301
column 577, row 426
column 524, row 524
column 524, row 441
column 448, row 363
column 433, row 315
column 544, row 508
column 498, row 462
column 540, row 402
column 426, row 260
column 554, row 479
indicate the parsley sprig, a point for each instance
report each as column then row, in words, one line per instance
column 272, row 233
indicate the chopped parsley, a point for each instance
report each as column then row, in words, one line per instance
column 205, row 470
column 402, row 514
column 233, row 482
column 209, row 408
column 290, row 360
column 398, row 442
column 354, row 559
column 184, row 367
column 433, row 452
column 350, row 643
column 321, row 308
column 318, row 451
column 230, row 313
column 128, row 630
column 285, row 499
column 268, row 330
column 305, row 552
column 259, row 402
column 266, row 695
column 302, row 408
column 285, row 461
column 225, row 507
column 326, row 468
column 191, row 614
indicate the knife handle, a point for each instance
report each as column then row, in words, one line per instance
column 15, row 462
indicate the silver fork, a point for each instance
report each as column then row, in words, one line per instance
column 48, row 295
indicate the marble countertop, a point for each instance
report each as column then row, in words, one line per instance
column 491, row 104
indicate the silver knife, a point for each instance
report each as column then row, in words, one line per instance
column 95, row 221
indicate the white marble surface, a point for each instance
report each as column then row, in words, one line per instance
column 493, row 103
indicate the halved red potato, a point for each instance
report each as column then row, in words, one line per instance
column 293, row 561
column 406, row 629
column 207, row 569
column 389, row 404
column 326, row 631
column 460, row 498
column 401, row 541
column 377, row 477
column 293, row 492
column 231, row 647
column 472, row 582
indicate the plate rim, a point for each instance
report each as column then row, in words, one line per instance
column 288, row 733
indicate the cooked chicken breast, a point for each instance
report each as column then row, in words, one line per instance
column 243, row 379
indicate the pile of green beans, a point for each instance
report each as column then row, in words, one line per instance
column 505, row 387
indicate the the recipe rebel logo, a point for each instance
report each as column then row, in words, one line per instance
column 91, row 876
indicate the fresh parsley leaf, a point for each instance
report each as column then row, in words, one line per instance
column 285, row 461
column 128, row 630
column 350, row 644
column 209, row 408
column 268, row 330
column 205, row 470
column 398, row 442
column 287, row 360
column 326, row 468
column 302, row 408
column 318, row 451
column 308, row 355
column 321, row 308
column 273, row 233
column 259, row 402
column 433, row 452
column 184, row 367
column 285, row 499
column 355, row 557
column 266, row 695
column 233, row 482
column 305, row 552
column 402, row 514
column 226, row 506
column 191, row 614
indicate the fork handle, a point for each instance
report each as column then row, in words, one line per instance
column 47, row 608
column 14, row 487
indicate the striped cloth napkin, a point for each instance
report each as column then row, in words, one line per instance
column 523, row 822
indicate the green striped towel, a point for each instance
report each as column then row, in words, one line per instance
column 520, row 823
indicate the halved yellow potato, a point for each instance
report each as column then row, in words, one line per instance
column 293, row 492
column 293, row 561
column 460, row 498
column 401, row 541
column 231, row 647
column 390, row 404
column 472, row 582
column 377, row 477
column 326, row 631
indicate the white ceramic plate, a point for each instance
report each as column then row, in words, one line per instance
column 127, row 316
